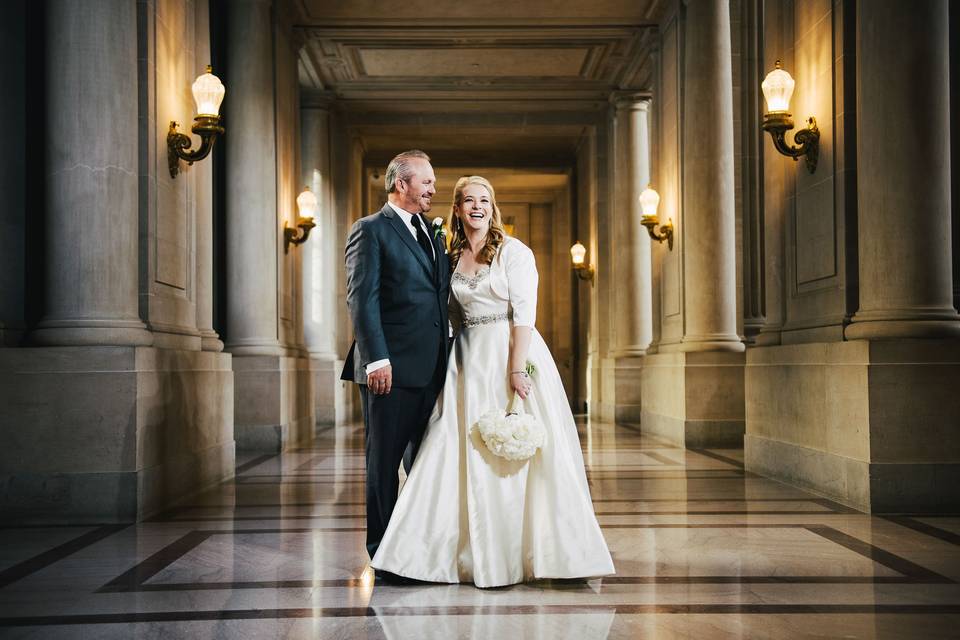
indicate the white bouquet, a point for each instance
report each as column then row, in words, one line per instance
column 514, row 436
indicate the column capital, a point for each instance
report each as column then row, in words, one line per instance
column 632, row 100
column 317, row 99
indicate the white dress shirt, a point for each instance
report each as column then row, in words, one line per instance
column 409, row 219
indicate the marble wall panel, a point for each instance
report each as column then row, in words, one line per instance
column 818, row 278
column 168, row 67
column 914, row 404
column 811, row 395
column 127, row 431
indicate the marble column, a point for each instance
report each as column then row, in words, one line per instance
column 634, row 318
column 321, row 261
column 209, row 340
column 251, row 189
column 708, row 227
column 320, row 255
column 91, row 171
column 903, row 173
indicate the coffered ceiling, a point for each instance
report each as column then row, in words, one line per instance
column 503, row 55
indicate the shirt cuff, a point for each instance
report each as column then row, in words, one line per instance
column 377, row 364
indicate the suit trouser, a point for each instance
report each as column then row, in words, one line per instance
column 394, row 424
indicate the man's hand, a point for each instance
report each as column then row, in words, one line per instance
column 380, row 381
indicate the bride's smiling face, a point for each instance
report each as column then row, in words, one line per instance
column 475, row 209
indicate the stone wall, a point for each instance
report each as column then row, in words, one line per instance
column 118, row 402
column 842, row 396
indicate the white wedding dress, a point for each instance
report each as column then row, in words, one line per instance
column 466, row 515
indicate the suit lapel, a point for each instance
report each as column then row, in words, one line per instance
column 407, row 238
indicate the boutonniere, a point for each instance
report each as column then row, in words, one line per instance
column 439, row 231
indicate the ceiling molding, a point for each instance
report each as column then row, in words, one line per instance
column 492, row 12
column 476, row 67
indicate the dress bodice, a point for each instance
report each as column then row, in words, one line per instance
column 505, row 289
column 476, row 299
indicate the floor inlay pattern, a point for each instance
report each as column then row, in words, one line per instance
column 702, row 547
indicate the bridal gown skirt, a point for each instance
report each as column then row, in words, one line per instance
column 466, row 515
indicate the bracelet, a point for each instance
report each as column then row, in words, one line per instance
column 520, row 372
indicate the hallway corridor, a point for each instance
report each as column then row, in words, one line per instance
column 702, row 550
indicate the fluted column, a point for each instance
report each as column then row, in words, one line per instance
column 903, row 173
column 92, row 228
column 320, row 255
column 251, row 189
column 634, row 318
column 708, row 226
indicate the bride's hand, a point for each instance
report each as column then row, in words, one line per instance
column 521, row 383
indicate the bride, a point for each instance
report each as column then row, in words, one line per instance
column 464, row 514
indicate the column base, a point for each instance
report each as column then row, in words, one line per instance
column 717, row 342
column 868, row 424
column 694, row 399
column 210, row 341
column 901, row 329
column 110, row 434
column 257, row 347
column 80, row 333
column 274, row 405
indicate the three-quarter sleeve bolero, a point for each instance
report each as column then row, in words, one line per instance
column 513, row 276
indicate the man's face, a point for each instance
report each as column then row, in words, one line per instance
column 417, row 192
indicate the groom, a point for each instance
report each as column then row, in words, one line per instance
column 398, row 278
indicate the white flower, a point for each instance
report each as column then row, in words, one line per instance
column 514, row 437
column 438, row 221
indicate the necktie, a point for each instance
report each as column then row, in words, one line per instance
column 422, row 239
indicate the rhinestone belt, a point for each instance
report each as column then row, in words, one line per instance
column 476, row 321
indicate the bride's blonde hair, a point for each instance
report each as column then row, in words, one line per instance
column 458, row 240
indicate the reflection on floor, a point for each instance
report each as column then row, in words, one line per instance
column 702, row 550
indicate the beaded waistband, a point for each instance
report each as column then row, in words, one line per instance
column 476, row 321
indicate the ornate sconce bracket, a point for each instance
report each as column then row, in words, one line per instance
column 665, row 232
column 584, row 272
column 207, row 127
column 777, row 124
column 297, row 235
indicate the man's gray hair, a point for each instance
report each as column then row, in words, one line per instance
column 399, row 167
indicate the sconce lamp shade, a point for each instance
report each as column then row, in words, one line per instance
column 578, row 252
column 649, row 201
column 307, row 203
column 208, row 92
column 778, row 89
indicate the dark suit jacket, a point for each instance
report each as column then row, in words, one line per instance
column 397, row 300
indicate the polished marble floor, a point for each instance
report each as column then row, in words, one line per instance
column 702, row 550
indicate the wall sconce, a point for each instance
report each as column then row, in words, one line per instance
column 208, row 92
column 583, row 269
column 307, row 206
column 649, row 201
column 778, row 89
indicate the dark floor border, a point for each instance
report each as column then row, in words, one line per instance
column 832, row 507
column 58, row 553
column 719, row 457
column 925, row 528
column 488, row 610
column 353, row 516
column 134, row 580
column 256, row 462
